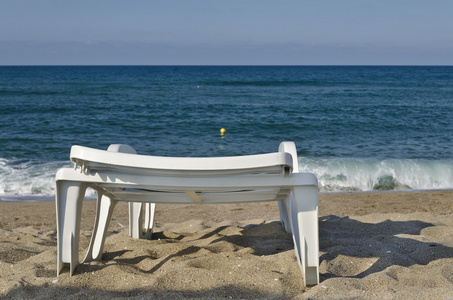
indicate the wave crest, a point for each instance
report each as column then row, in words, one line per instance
column 19, row 178
column 24, row 178
column 349, row 174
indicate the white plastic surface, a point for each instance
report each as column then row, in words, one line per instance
column 123, row 177
column 80, row 154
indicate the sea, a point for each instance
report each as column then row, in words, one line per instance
column 357, row 128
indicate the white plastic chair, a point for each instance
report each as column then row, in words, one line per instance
column 119, row 174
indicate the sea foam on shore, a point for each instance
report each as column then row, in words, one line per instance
column 27, row 180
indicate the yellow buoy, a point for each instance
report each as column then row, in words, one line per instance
column 222, row 131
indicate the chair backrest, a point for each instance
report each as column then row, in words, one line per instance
column 89, row 160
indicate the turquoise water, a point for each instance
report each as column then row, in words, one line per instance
column 356, row 128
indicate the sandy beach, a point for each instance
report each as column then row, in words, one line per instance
column 372, row 246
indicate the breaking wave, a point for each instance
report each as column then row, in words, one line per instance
column 352, row 174
column 21, row 179
column 28, row 180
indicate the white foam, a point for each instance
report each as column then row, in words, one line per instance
column 348, row 174
column 25, row 178
column 22, row 180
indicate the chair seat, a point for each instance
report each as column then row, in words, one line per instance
column 269, row 163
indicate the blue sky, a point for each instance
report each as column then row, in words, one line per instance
column 234, row 32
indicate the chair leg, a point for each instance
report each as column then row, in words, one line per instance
column 135, row 209
column 68, row 198
column 149, row 220
column 135, row 220
column 104, row 211
column 282, row 206
column 304, row 219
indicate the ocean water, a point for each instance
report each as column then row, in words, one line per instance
column 357, row 128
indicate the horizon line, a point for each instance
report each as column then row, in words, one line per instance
column 227, row 65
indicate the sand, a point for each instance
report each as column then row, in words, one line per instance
column 372, row 246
